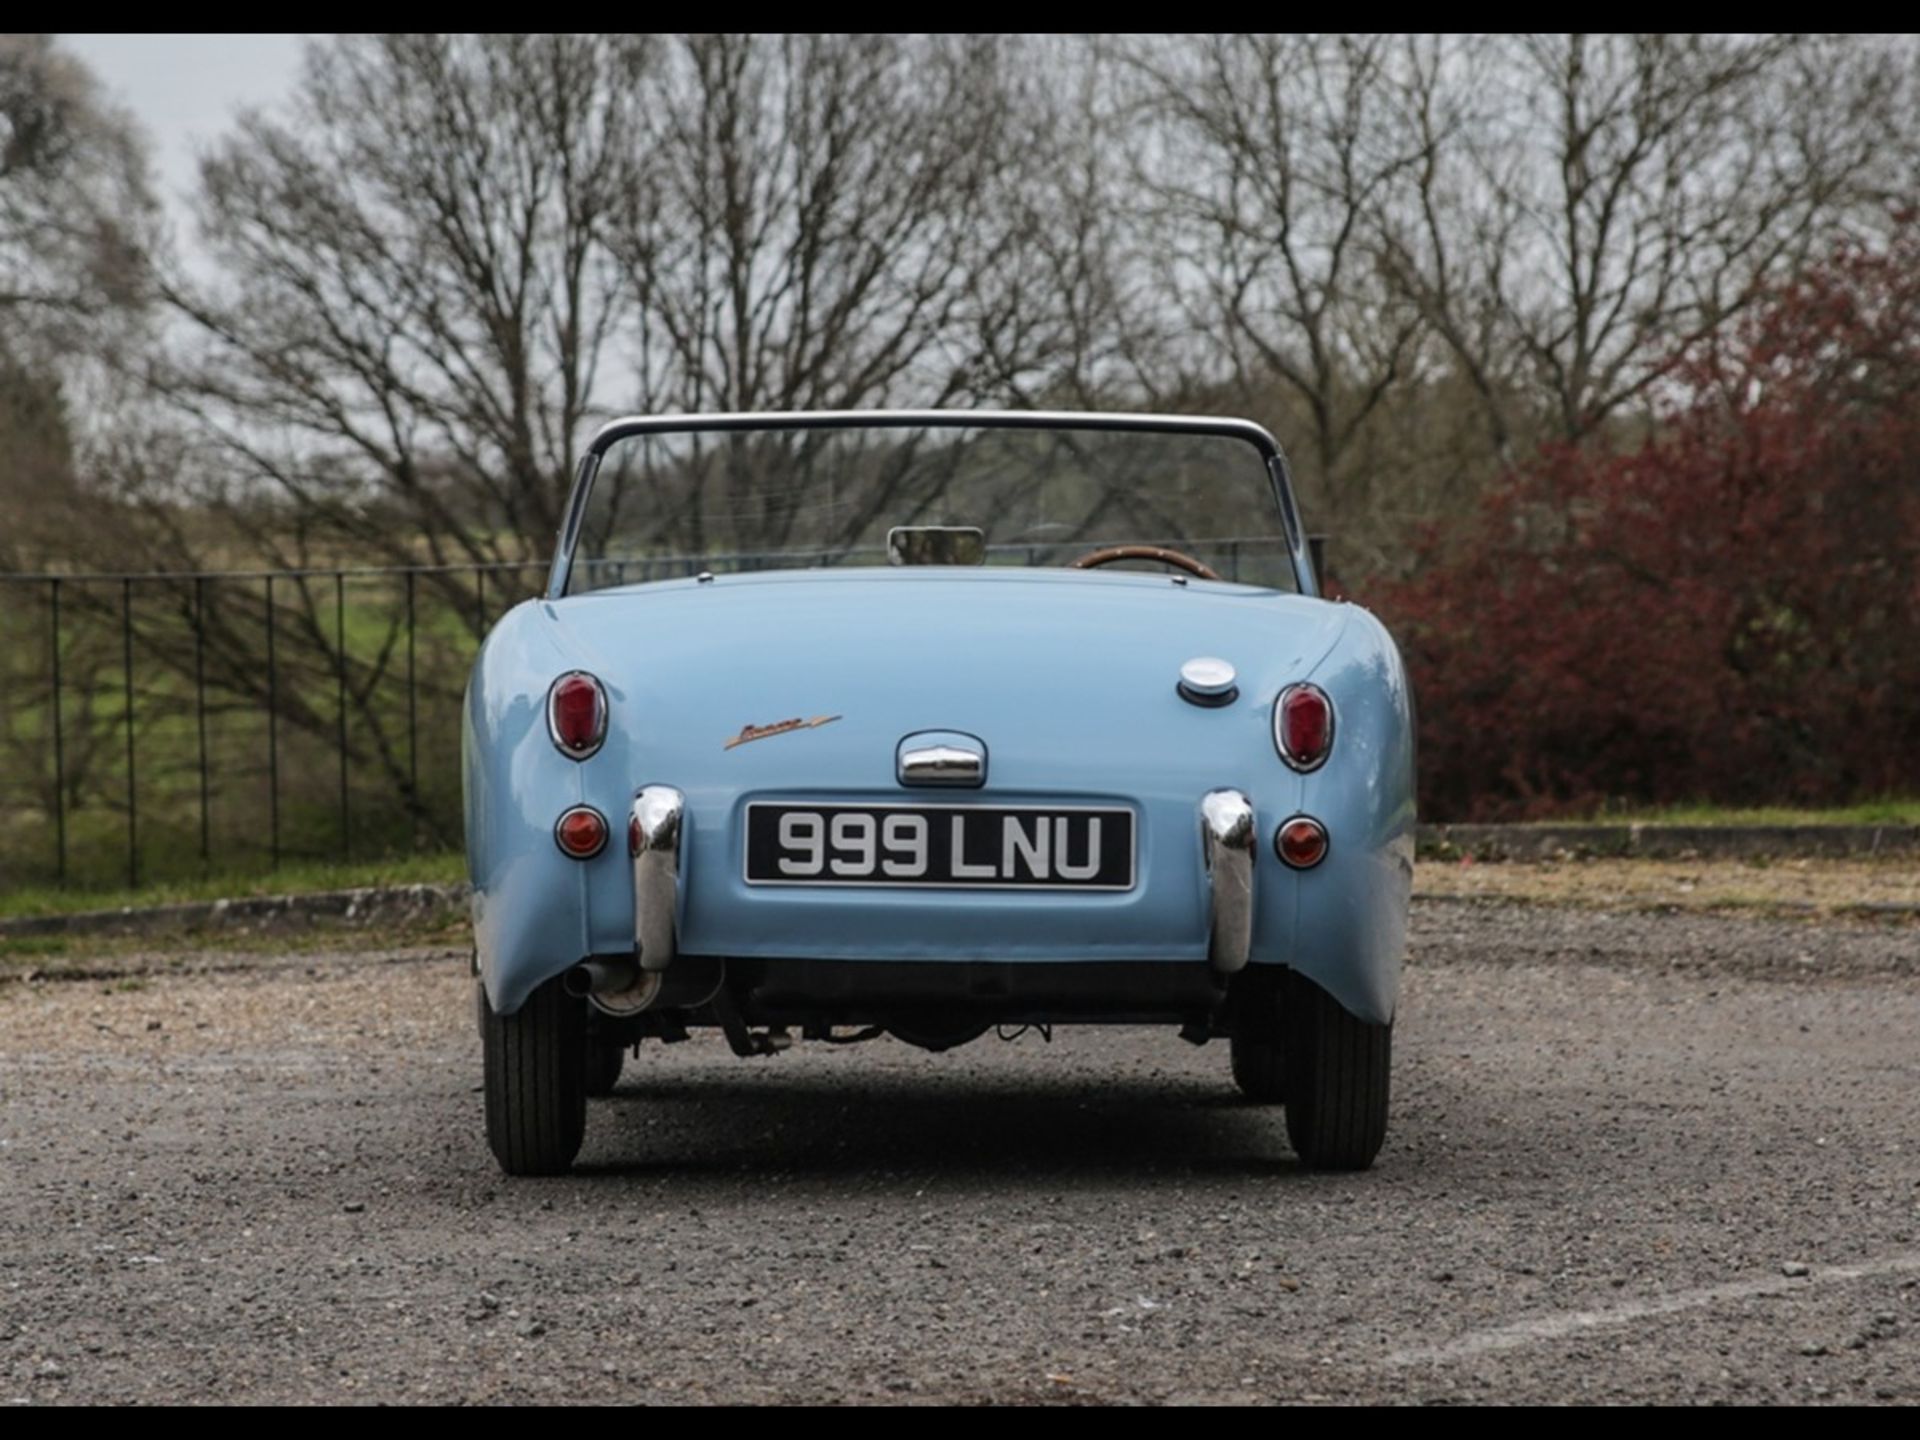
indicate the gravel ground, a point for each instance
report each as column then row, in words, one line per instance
column 1887, row 887
column 1634, row 1156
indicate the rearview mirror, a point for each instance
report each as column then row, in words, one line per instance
column 936, row 545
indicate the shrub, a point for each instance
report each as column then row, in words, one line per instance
column 1729, row 612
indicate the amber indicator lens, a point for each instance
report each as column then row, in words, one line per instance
column 581, row 832
column 1301, row 842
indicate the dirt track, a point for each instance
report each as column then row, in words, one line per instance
column 1632, row 1157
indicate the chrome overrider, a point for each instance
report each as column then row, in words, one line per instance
column 1227, row 839
column 628, row 984
column 653, row 838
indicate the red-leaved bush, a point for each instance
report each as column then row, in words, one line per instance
column 1729, row 613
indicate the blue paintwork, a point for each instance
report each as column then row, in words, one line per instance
column 1067, row 676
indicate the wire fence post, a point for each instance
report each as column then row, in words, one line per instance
column 59, row 746
column 126, row 673
column 273, row 736
column 200, row 711
column 340, row 667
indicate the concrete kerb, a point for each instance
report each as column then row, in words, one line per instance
column 1667, row 842
column 362, row 907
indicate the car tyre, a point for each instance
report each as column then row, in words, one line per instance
column 536, row 1082
column 1254, row 1045
column 605, row 1060
column 1335, row 1073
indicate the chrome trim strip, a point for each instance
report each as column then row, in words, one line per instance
column 1231, row 427
column 654, row 839
column 1227, row 843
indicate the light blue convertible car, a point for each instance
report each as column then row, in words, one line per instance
column 921, row 724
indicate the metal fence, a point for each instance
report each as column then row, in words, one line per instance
column 160, row 726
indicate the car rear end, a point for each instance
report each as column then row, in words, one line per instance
column 834, row 802
column 894, row 786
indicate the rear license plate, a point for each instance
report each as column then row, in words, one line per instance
column 965, row 847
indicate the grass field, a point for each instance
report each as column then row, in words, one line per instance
column 406, row 654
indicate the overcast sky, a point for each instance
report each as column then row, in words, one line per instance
column 184, row 89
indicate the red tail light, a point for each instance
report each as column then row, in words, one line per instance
column 1303, row 726
column 1301, row 842
column 581, row 832
column 577, row 714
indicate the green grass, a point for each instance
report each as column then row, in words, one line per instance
column 288, row 880
column 1872, row 812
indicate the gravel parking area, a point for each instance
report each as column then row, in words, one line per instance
column 1885, row 888
column 1634, row 1156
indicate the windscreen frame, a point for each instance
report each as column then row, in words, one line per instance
column 1279, row 475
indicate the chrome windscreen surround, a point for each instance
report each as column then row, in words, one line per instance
column 1228, row 839
column 654, row 837
column 1279, row 474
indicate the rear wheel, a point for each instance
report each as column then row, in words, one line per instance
column 1335, row 1071
column 536, row 1081
column 1255, row 1042
column 605, row 1060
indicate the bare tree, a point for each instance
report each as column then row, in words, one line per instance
column 75, row 221
column 1588, row 206
column 447, row 256
column 411, row 292
column 815, row 219
column 1065, row 314
column 836, row 222
column 74, row 201
column 1266, row 163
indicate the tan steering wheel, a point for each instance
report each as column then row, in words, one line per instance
column 1093, row 560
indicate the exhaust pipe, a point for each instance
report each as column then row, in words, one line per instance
column 601, row 977
column 618, row 986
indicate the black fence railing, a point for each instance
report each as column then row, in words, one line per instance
column 161, row 726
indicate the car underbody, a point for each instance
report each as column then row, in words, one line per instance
column 762, row 1005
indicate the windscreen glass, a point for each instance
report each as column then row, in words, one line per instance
column 678, row 503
